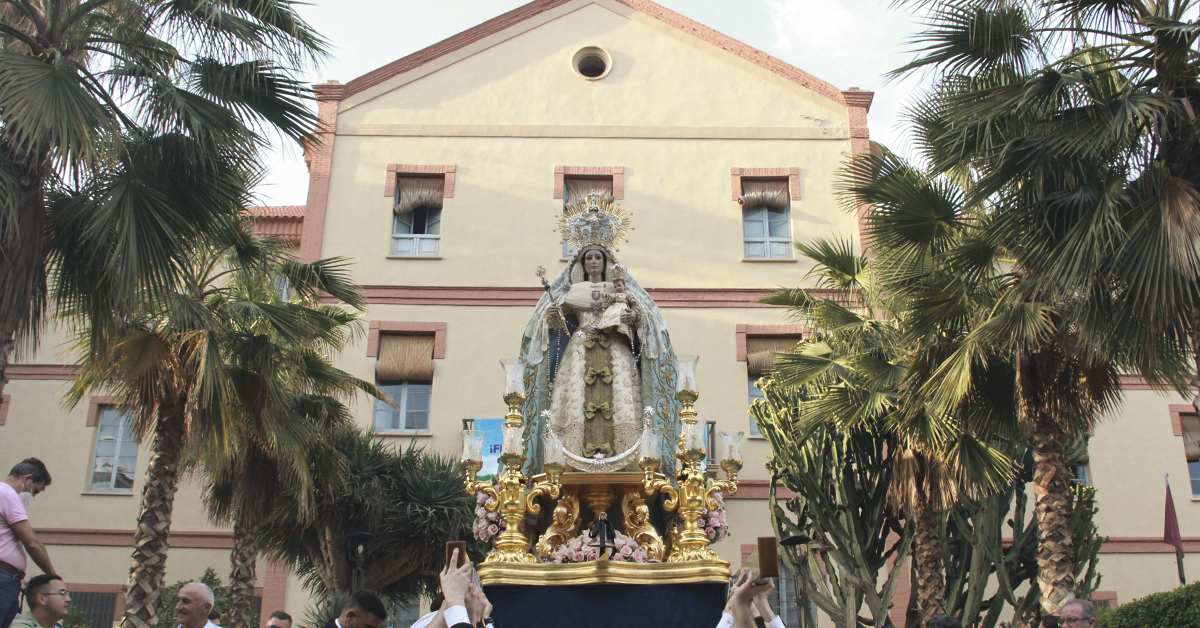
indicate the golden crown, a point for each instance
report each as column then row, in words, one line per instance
column 594, row 220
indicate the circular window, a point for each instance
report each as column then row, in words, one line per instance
column 592, row 63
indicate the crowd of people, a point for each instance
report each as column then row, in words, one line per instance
column 461, row 603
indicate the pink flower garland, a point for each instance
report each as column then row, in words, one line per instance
column 577, row 550
column 713, row 522
column 488, row 523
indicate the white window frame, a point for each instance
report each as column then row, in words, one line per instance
column 754, row 393
column 423, row 244
column 1194, row 475
column 402, row 401
column 124, row 435
column 1081, row 474
column 766, row 239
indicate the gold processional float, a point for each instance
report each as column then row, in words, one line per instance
column 522, row 554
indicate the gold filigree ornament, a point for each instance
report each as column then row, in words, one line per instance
column 594, row 220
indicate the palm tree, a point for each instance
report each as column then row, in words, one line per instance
column 287, row 399
column 86, row 84
column 1088, row 162
column 900, row 313
column 408, row 502
column 178, row 363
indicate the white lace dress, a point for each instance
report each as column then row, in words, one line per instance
column 596, row 405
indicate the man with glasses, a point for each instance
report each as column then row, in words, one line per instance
column 48, row 601
column 1078, row 613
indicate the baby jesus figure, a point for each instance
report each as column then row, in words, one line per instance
column 617, row 303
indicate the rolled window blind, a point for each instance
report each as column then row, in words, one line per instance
column 773, row 194
column 418, row 192
column 760, row 353
column 404, row 358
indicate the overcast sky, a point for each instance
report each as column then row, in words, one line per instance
column 849, row 43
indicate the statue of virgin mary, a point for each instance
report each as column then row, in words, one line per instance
column 600, row 371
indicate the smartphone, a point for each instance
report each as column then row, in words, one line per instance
column 768, row 557
column 461, row 546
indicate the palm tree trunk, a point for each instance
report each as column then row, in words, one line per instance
column 1052, row 508
column 151, row 540
column 927, row 561
column 241, row 575
column 23, row 264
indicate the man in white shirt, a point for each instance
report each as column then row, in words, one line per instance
column 193, row 604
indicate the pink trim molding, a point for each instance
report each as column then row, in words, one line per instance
column 274, row 590
column 617, row 173
column 791, row 174
column 393, row 170
column 759, row 489
column 528, row 296
column 41, row 371
column 124, row 538
column 404, row 328
column 94, row 403
column 319, row 158
column 1177, row 412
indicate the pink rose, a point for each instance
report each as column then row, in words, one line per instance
column 711, row 533
column 625, row 551
column 493, row 529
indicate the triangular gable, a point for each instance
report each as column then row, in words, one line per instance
column 646, row 7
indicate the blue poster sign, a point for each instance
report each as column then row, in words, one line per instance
column 493, row 440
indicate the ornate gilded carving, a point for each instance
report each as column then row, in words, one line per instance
column 637, row 524
column 564, row 527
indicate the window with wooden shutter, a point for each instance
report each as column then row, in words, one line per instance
column 766, row 219
column 417, row 226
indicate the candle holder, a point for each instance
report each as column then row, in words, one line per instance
column 514, row 389
column 510, row 496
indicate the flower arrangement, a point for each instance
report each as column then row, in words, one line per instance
column 488, row 522
column 577, row 550
column 713, row 522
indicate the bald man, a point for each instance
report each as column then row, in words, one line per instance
column 193, row 604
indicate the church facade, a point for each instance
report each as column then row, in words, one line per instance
column 441, row 177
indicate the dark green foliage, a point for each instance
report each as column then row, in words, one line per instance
column 76, row 618
column 411, row 501
column 170, row 594
column 976, row 557
column 840, row 482
column 1171, row 609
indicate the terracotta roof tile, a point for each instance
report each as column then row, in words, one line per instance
column 276, row 211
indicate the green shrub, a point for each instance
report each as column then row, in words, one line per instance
column 75, row 618
column 166, row 602
column 1172, row 609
